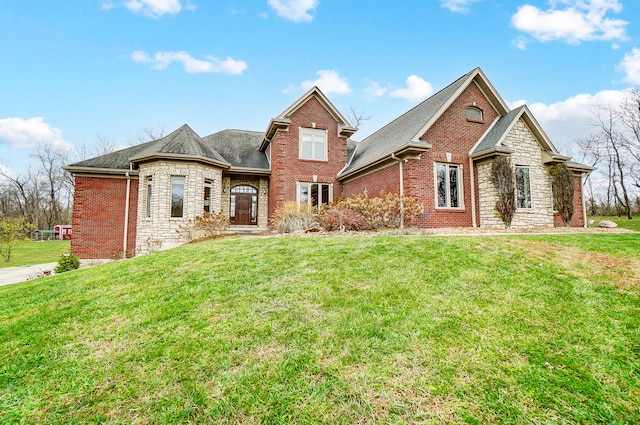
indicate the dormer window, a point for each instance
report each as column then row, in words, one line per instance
column 474, row 114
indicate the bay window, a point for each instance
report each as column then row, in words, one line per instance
column 177, row 196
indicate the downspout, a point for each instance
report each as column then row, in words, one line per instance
column 473, row 194
column 584, row 209
column 126, row 217
column 393, row 156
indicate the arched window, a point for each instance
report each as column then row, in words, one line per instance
column 243, row 208
column 474, row 113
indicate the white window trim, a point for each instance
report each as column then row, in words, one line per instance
column 530, row 208
column 208, row 183
column 184, row 196
column 309, row 198
column 148, row 196
column 477, row 109
column 460, row 186
column 314, row 131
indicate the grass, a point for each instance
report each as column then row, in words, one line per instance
column 377, row 329
column 623, row 221
column 29, row 253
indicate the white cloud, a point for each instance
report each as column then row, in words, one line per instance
column 416, row 90
column 162, row 60
column 328, row 81
column 20, row 133
column 107, row 5
column 155, row 8
column 458, row 6
column 520, row 42
column 374, row 89
column 580, row 20
column 630, row 65
column 294, row 10
column 571, row 119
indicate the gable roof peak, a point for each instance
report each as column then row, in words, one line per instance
column 496, row 134
column 283, row 120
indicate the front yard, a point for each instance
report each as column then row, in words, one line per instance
column 329, row 329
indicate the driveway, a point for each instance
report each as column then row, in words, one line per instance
column 17, row 274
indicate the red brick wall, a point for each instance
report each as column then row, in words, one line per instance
column 452, row 133
column 98, row 217
column 577, row 220
column 287, row 168
column 387, row 179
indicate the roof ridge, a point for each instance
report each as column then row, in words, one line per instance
column 419, row 104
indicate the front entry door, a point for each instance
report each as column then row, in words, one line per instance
column 243, row 208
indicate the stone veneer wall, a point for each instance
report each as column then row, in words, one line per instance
column 262, row 184
column 161, row 226
column 527, row 153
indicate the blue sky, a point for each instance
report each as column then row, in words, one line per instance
column 77, row 71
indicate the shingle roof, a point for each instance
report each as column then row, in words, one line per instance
column 404, row 128
column 183, row 141
column 118, row 160
column 497, row 132
column 351, row 148
column 239, row 148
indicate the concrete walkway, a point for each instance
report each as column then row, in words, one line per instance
column 17, row 274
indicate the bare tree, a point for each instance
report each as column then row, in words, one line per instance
column 23, row 192
column 357, row 117
column 615, row 144
column 154, row 131
column 56, row 203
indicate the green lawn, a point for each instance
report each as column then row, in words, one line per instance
column 624, row 222
column 370, row 329
column 28, row 253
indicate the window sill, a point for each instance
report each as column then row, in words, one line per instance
column 475, row 121
column 313, row 160
column 450, row 209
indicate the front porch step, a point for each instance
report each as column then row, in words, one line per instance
column 247, row 230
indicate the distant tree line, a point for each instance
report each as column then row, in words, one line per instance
column 615, row 149
column 42, row 193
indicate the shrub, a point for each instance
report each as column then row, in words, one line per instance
column 384, row 211
column 203, row 226
column 66, row 263
column 292, row 217
column 504, row 181
column 13, row 230
column 562, row 184
column 341, row 219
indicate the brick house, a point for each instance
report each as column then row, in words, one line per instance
column 439, row 152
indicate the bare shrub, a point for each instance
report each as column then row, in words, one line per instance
column 562, row 184
column 504, row 180
column 203, row 226
column 383, row 211
column 341, row 219
column 292, row 217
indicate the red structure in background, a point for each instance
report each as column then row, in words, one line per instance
column 63, row 231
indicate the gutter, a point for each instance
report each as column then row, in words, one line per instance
column 473, row 194
column 394, row 157
column 409, row 146
column 126, row 217
column 583, row 180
